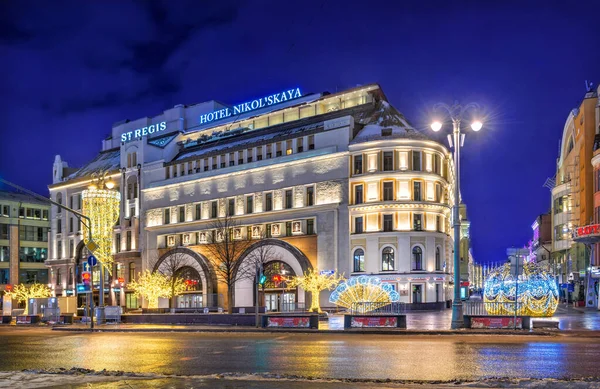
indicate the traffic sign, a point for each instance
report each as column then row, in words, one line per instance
column 327, row 272
column 92, row 261
column 86, row 277
column 91, row 246
column 83, row 288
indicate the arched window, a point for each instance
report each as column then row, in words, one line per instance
column 438, row 259
column 59, row 200
column 359, row 260
column 417, row 254
column 387, row 259
column 190, row 277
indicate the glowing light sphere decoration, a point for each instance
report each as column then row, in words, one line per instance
column 537, row 291
column 102, row 207
column 364, row 294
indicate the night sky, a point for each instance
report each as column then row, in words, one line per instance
column 69, row 70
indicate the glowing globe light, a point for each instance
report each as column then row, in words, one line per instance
column 363, row 294
column 436, row 126
column 537, row 292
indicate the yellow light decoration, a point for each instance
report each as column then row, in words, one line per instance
column 537, row 292
column 363, row 294
column 314, row 283
column 24, row 292
column 152, row 285
column 102, row 207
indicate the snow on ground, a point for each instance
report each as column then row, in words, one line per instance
column 85, row 378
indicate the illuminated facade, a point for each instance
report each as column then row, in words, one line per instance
column 317, row 178
column 24, row 230
column 573, row 194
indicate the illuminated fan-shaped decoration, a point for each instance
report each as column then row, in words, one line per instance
column 363, row 294
column 537, row 290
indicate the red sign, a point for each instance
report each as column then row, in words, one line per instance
column 588, row 230
column 276, row 278
column 496, row 322
column 295, row 322
column 121, row 280
column 465, row 283
column 373, row 321
column 8, row 287
column 86, row 276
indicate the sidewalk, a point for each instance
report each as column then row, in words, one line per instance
column 145, row 328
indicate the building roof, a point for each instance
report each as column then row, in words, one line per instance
column 6, row 195
column 383, row 123
column 108, row 160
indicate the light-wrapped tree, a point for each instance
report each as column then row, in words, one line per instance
column 24, row 292
column 152, row 285
column 314, row 282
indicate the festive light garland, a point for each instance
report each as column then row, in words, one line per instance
column 315, row 282
column 364, row 294
column 102, row 207
column 537, row 291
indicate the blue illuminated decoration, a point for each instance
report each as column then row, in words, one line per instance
column 537, row 291
column 141, row 132
column 364, row 294
column 252, row 105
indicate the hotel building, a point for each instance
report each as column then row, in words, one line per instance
column 328, row 181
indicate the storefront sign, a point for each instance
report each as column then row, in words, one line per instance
column 496, row 322
column 251, row 105
column 592, row 229
column 141, row 132
column 374, row 321
column 294, row 322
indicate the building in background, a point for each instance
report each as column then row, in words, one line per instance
column 541, row 244
column 24, row 226
column 573, row 194
column 329, row 181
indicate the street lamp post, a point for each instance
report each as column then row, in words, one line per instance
column 456, row 112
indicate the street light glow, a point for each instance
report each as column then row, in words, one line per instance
column 476, row 125
column 436, row 126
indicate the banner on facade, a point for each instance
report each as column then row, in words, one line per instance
column 496, row 322
column 374, row 321
column 289, row 322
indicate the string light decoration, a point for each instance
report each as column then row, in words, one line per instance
column 24, row 292
column 152, row 285
column 315, row 283
column 537, row 291
column 364, row 294
column 101, row 204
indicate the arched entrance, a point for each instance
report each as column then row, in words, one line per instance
column 278, row 258
column 197, row 271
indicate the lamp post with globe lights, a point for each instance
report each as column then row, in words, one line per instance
column 456, row 112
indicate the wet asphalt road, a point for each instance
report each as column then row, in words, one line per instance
column 401, row 357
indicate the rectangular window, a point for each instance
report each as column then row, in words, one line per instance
column 4, row 254
column 311, row 142
column 388, row 223
column 358, row 225
column 288, row 228
column 278, row 149
column 310, row 196
column 128, row 241
column 436, row 164
column 269, row 151
column 249, row 154
column 198, row 213
column 310, row 227
column 416, row 160
column 438, row 193
column 223, row 161
column 269, row 202
column 6, row 211
column 37, row 213
column 213, row 209
column 417, row 191
column 418, row 222
column 288, row 147
column 167, row 172
column 4, row 231
column 22, row 211
column 388, row 161
column 181, row 214
column 268, row 231
column 45, row 214
column 132, row 212
column 71, row 249
column 118, row 243
column 59, row 253
column 167, row 216
column 358, row 164
column 358, row 194
column 231, row 207
column 288, row 199
column 300, row 145
column 438, row 223
column 388, row 191
column 59, row 226
column 249, row 204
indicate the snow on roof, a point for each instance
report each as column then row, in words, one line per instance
column 21, row 197
column 105, row 161
column 385, row 122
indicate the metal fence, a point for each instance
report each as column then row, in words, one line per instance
column 293, row 307
column 373, row 308
column 482, row 308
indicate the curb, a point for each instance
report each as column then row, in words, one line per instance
column 312, row 331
